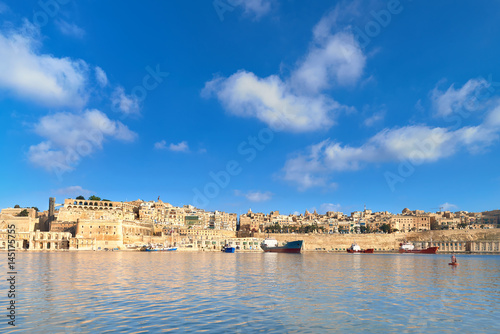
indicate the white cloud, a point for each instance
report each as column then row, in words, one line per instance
column 255, row 196
column 493, row 118
column 375, row 118
column 72, row 191
column 418, row 144
column 256, row 8
column 448, row 207
column 325, row 207
column 467, row 97
column 127, row 104
column 296, row 103
column 338, row 60
column 101, row 77
column 43, row 78
column 71, row 137
column 181, row 147
column 161, row 145
column 271, row 101
column 69, row 29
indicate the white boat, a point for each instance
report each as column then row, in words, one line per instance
column 356, row 249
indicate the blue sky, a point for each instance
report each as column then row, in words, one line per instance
column 262, row 104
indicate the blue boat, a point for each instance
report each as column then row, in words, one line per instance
column 228, row 249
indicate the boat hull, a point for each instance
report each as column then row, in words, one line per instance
column 229, row 250
column 365, row 251
column 430, row 250
column 290, row 247
column 171, row 249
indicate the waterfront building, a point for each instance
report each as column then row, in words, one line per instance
column 111, row 233
column 37, row 240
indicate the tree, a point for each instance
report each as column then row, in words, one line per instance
column 17, row 206
column 36, row 209
column 386, row 228
column 275, row 228
column 105, row 200
column 94, row 198
column 434, row 225
column 80, row 197
column 23, row 213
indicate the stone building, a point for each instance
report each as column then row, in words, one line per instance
column 74, row 209
column 37, row 240
column 407, row 223
column 100, row 234
column 251, row 221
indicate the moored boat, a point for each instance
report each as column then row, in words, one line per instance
column 271, row 245
column 228, row 249
column 356, row 249
column 408, row 247
column 156, row 249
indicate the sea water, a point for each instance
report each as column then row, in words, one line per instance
column 215, row 292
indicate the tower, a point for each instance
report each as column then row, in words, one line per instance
column 52, row 204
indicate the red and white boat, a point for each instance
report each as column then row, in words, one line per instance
column 408, row 247
column 356, row 249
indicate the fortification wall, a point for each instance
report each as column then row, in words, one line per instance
column 381, row 242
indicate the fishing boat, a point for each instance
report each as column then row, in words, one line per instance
column 228, row 249
column 356, row 249
column 408, row 247
column 162, row 249
column 271, row 245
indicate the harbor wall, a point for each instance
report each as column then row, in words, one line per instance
column 385, row 242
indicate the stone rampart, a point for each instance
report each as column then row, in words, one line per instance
column 381, row 242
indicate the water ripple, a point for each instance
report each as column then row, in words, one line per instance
column 134, row 292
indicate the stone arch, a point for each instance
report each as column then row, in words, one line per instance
column 80, row 203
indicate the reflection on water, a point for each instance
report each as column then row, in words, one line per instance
column 141, row 292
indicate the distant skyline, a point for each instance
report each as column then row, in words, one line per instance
column 262, row 104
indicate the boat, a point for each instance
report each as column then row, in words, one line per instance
column 158, row 249
column 271, row 245
column 453, row 263
column 228, row 249
column 356, row 249
column 408, row 247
